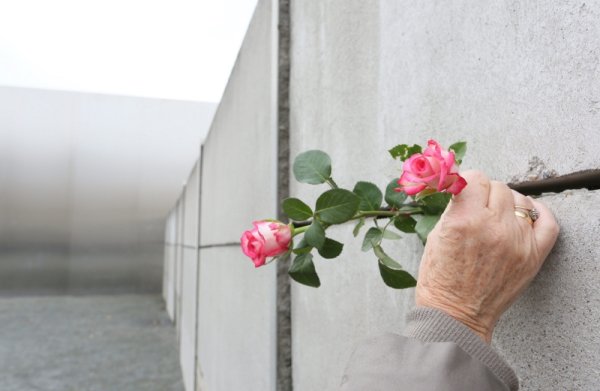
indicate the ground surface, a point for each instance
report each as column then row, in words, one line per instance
column 89, row 343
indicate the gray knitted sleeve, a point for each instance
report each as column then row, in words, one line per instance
column 436, row 353
column 432, row 325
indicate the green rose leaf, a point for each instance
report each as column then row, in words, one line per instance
column 392, row 197
column 312, row 167
column 358, row 226
column 337, row 206
column 391, row 271
column 315, row 235
column 296, row 209
column 425, row 225
column 435, row 203
column 394, row 278
column 405, row 223
column 369, row 194
column 331, row 249
column 403, row 151
column 390, row 235
column 372, row 238
column 302, row 247
column 459, row 148
column 303, row 271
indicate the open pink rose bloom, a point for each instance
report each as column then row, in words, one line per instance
column 266, row 239
column 434, row 169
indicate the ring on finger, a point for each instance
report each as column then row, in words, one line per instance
column 531, row 212
column 524, row 215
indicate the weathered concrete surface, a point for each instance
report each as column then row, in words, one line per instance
column 551, row 335
column 169, row 267
column 189, row 281
column 92, row 343
column 168, row 272
column 236, row 308
column 236, row 325
column 180, row 220
column 187, row 325
column 519, row 82
column 240, row 153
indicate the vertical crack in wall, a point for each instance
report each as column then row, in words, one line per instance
column 284, row 325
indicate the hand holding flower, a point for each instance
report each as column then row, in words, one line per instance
column 431, row 177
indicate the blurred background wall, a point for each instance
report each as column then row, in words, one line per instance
column 86, row 182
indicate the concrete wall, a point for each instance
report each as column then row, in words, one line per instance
column 169, row 265
column 180, row 224
column 236, row 318
column 226, row 317
column 86, row 181
column 518, row 82
column 189, row 280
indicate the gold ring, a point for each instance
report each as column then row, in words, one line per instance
column 524, row 215
column 533, row 213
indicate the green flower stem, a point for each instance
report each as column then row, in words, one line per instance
column 300, row 229
column 332, row 183
column 387, row 213
column 302, row 226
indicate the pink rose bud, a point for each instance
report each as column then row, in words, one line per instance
column 434, row 169
column 266, row 239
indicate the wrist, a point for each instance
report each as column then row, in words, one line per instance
column 475, row 324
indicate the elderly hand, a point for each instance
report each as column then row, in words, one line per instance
column 480, row 256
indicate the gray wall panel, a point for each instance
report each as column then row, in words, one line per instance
column 236, row 333
column 187, row 325
column 236, row 308
column 520, row 84
column 240, row 150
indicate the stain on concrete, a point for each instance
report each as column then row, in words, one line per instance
column 536, row 170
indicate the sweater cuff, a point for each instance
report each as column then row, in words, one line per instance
column 433, row 325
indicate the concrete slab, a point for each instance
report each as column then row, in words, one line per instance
column 239, row 173
column 518, row 81
column 172, row 256
column 189, row 280
column 187, row 326
column 167, row 261
column 551, row 336
column 192, row 200
column 179, row 233
column 236, row 322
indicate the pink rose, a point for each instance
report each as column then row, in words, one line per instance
column 266, row 239
column 434, row 169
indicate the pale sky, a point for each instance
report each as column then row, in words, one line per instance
column 174, row 49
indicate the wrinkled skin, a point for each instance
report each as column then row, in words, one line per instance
column 480, row 257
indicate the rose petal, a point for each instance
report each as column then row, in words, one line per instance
column 457, row 186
